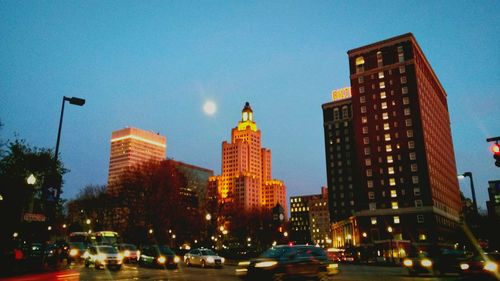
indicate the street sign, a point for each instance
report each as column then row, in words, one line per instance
column 33, row 217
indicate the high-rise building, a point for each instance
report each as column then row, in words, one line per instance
column 406, row 188
column 310, row 219
column 131, row 147
column 246, row 180
column 196, row 183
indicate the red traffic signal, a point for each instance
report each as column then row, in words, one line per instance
column 495, row 148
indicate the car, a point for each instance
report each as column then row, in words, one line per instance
column 76, row 250
column 482, row 266
column 203, row 257
column 287, row 261
column 103, row 256
column 130, row 252
column 441, row 262
column 158, row 256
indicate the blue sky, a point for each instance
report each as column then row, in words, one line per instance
column 152, row 65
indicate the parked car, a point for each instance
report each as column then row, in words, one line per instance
column 203, row 257
column 129, row 252
column 482, row 266
column 158, row 256
column 442, row 262
column 285, row 261
column 103, row 256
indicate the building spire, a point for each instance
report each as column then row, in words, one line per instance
column 247, row 113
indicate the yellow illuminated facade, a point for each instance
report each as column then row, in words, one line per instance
column 246, row 178
column 341, row 94
column 131, row 147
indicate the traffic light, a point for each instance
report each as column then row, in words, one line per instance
column 496, row 153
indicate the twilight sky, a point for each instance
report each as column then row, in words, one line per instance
column 153, row 64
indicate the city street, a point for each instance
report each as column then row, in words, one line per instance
column 348, row 272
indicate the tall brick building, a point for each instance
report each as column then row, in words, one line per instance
column 404, row 159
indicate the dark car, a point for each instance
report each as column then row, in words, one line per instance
column 285, row 261
column 76, row 250
column 158, row 256
column 441, row 262
column 482, row 266
column 130, row 252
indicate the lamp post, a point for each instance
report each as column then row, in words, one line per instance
column 474, row 202
column 389, row 229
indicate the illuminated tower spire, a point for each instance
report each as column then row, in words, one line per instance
column 247, row 119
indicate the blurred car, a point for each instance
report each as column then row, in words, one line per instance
column 442, row 262
column 285, row 261
column 75, row 251
column 158, row 256
column 482, row 266
column 103, row 256
column 203, row 257
column 129, row 252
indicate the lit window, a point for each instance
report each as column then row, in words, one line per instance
column 396, row 219
column 387, row 137
column 367, row 151
column 411, row 144
column 361, row 90
column 365, row 130
column 336, row 114
column 360, row 62
column 421, row 236
column 406, row 100
column 394, row 193
column 371, row 195
column 407, row 111
column 363, row 109
column 381, row 85
column 390, row 170
column 389, row 159
column 402, row 69
column 403, row 79
column 394, row 205
column 388, row 148
column 404, row 90
column 414, row 168
column 369, row 183
column 368, row 162
column 384, row 105
column 401, row 57
column 413, row 156
column 386, row 126
column 345, row 112
column 364, row 119
column 374, row 220
column 366, row 140
column 416, row 191
column 409, row 133
column 408, row 123
column 381, row 75
column 362, row 99
column 414, row 179
column 392, row 182
column 361, row 79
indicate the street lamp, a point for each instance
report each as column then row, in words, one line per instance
column 31, row 180
column 389, row 229
column 208, row 217
column 474, row 202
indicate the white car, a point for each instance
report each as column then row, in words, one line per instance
column 105, row 256
column 203, row 257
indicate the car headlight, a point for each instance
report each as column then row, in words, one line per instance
column 101, row 257
column 244, row 263
column 138, row 254
column 490, row 266
column 426, row 263
column 333, row 266
column 177, row 259
column 73, row 252
column 85, row 255
column 464, row 266
column 266, row 263
column 408, row 262
column 119, row 257
column 210, row 260
column 161, row 259
column 126, row 253
column 222, row 260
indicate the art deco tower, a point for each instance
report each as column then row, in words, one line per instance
column 246, row 179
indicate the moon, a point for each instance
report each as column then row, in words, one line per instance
column 209, row 107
